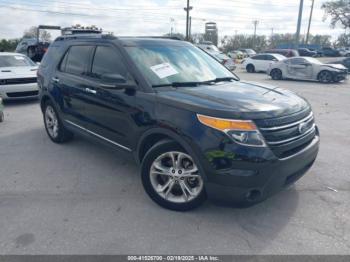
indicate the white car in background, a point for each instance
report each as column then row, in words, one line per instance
column 344, row 51
column 261, row 62
column 213, row 51
column 17, row 77
column 307, row 68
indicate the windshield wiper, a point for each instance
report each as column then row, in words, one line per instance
column 180, row 84
column 221, row 79
column 194, row 83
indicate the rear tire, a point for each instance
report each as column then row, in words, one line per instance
column 325, row 76
column 31, row 52
column 171, row 177
column 276, row 74
column 2, row 117
column 250, row 68
column 53, row 125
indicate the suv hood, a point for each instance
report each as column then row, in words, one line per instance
column 241, row 100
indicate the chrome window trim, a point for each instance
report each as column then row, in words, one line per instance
column 97, row 135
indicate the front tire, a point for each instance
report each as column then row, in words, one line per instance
column 325, row 77
column 250, row 68
column 53, row 125
column 2, row 117
column 171, row 177
column 276, row 74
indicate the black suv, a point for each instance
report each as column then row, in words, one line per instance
column 196, row 130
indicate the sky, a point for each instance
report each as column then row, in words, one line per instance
column 157, row 17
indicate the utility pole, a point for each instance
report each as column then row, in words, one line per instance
column 190, row 28
column 255, row 23
column 187, row 9
column 171, row 26
column 297, row 35
column 308, row 27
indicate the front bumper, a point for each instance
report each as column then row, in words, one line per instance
column 19, row 91
column 255, row 182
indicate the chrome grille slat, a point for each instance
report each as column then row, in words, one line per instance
column 306, row 119
column 293, row 138
column 287, row 136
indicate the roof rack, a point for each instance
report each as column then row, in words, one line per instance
column 85, row 36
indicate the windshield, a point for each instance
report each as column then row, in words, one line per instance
column 15, row 60
column 163, row 65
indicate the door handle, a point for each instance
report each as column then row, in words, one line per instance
column 55, row 79
column 91, row 91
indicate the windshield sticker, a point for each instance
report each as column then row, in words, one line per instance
column 19, row 57
column 164, row 70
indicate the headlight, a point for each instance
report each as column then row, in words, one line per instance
column 242, row 132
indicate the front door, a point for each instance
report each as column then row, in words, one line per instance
column 299, row 68
column 110, row 110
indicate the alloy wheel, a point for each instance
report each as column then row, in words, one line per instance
column 51, row 121
column 325, row 77
column 174, row 176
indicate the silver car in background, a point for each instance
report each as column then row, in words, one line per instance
column 307, row 68
column 17, row 77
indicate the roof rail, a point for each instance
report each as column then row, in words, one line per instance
column 160, row 37
column 85, row 36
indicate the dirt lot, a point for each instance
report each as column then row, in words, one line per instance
column 82, row 198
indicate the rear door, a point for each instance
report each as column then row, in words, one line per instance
column 259, row 62
column 70, row 83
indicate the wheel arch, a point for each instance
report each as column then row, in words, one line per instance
column 155, row 135
column 43, row 101
column 324, row 70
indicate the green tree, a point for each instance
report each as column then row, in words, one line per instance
column 8, row 45
column 230, row 43
column 339, row 11
column 343, row 40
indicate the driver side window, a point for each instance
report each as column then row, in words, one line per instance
column 298, row 61
column 107, row 61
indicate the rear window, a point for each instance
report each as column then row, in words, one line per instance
column 76, row 60
column 15, row 60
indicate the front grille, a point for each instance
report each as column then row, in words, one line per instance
column 16, row 81
column 289, row 134
column 22, row 94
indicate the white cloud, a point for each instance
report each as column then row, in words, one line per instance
column 152, row 17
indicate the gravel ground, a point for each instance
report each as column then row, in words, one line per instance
column 82, row 198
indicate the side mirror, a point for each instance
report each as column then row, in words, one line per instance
column 113, row 79
column 116, row 81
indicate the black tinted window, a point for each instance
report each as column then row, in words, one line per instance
column 107, row 60
column 259, row 57
column 77, row 60
column 269, row 57
column 297, row 61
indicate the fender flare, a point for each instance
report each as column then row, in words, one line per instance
column 177, row 138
